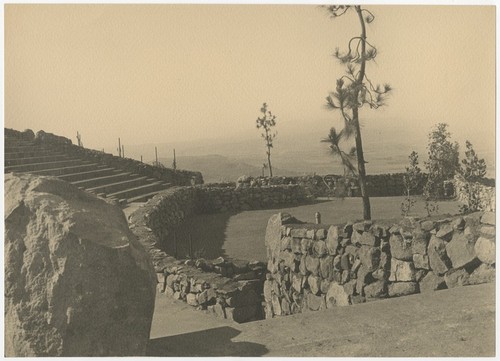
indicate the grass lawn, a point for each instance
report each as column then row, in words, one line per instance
column 241, row 235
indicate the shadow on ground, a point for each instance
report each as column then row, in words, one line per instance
column 212, row 342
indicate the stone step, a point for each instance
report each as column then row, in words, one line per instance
column 44, row 165
column 89, row 173
column 39, row 159
column 112, row 188
column 102, row 179
column 38, row 152
column 141, row 190
column 58, row 172
column 22, row 148
column 12, row 142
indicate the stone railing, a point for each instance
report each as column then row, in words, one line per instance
column 314, row 267
column 228, row 288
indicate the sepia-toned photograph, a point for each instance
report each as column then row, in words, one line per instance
column 291, row 180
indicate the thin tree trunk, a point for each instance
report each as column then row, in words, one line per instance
column 355, row 117
column 269, row 162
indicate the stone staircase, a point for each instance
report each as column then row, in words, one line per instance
column 122, row 187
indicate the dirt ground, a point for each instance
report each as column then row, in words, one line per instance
column 459, row 322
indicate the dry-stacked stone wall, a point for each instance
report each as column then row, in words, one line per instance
column 313, row 267
column 228, row 288
column 378, row 185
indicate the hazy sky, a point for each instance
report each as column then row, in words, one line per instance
column 163, row 73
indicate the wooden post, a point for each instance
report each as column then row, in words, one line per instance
column 174, row 164
column 141, row 158
column 156, row 155
column 119, row 148
column 123, row 151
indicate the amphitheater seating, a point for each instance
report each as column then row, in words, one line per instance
column 23, row 156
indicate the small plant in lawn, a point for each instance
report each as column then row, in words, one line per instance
column 411, row 180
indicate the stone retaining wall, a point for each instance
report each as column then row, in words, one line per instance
column 313, row 267
column 378, row 185
column 228, row 288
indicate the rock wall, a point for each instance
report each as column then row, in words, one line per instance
column 228, row 288
column 77, row 281
column 62, row 144
column 378, row 185
column 313, row 267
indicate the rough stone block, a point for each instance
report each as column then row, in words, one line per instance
column 295, row 245
column 321, row 234
column 325, row 285
column 356, row 238
column 419, row 242
column 482, row 274
column 438, row 259
column 77, row 282
column 337, row 262
column 350, row 287
column 351, row 250
column 297, row 282
column 314, row 302
column 326, row 267
column 302, row 266
column 456, row 278
column 207, row 296
column 445, row 232
column 460, row 251
column 400, row 248
column 332, row 240
column 298, row 233
column 286, row 243
column 458, row 224
column 421, row 261
column 336, row 296
column 368, row 239
column 432, row 282
column 427, row 226
column 312, row 265
column 369, row 257
column 489, row 218
column 314, row 284
column 344, row 262
column 310, row 233
column 376, row 289
column 319, row 249
column 192, row 299
column 485, row 250
column 402, row 289
column 285, row 307
column 305, row 246
column 276, row 305
column 402, row 271
column 268, row 290
column 488, row 231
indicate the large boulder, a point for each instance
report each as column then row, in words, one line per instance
column 77, row 281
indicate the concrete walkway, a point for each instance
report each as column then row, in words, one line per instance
column 456, row 322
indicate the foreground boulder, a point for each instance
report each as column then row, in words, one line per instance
column 77, row 282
